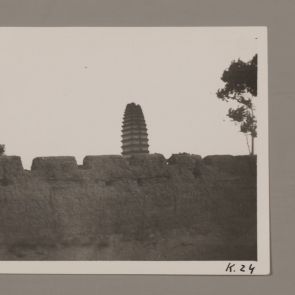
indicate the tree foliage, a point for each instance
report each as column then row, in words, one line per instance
column 2, row 149
column 241, row 86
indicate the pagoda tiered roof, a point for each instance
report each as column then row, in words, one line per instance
column 134, row 131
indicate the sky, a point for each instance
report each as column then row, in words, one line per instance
column 63, row 91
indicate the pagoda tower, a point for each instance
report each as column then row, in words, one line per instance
column 134, row 131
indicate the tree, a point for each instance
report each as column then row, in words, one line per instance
column 2, row 149
column 241, row 87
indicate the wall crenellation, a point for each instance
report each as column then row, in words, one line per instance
column 12, row 165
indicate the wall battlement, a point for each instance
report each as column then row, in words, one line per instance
column 11, row 166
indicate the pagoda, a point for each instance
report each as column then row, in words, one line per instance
column 134, row 131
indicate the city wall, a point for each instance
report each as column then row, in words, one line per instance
column 139, row 208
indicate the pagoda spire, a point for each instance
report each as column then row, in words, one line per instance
column 134, row 131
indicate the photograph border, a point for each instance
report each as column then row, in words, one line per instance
column 278, row 17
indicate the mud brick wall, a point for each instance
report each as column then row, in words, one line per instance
column 142, row 207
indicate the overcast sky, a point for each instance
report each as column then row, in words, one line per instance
column 63, row 91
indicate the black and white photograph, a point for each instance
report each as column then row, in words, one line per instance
column 134, row 150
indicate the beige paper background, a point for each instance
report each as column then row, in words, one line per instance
column 278, row 16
